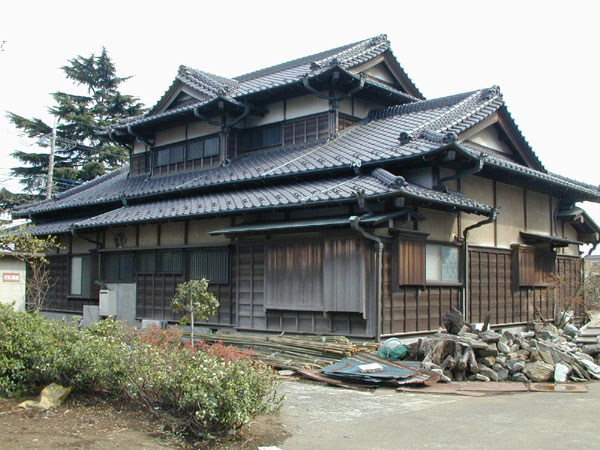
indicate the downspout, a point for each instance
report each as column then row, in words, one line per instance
column 355, row 225
column 225, row 129
column 591, row 250
column 466, row 231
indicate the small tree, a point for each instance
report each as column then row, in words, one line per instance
column 194, row 298
column 32, row 250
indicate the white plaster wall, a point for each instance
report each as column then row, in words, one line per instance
column 64, row 241
column 480, row 189
column 538, row 213
column 200, row 128
column 362, row 107
column 12, row 291
column 148, row 235
column 511, row 216
column 172, row 233
column 572, row 249
column 380, row 72
column 451, row 184
column 138, row 147
column 198, row 231
column 274, row 114
column 175, row 134
column 81, row 245
column 489, row 138
column 346, row 106
column 128, row 234
column 305, row 105
column 440, row 225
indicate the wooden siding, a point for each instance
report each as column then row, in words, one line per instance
column 409, row 309
column 409, row 261
column 57, row 299
column 345, row 268
column 491, row 290
column 250, row 269
column 250, row 284
column 294, row 275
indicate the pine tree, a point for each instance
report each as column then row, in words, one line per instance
column 81, row 155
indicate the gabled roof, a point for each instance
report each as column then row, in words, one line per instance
column 427, row 127
column 209, row 86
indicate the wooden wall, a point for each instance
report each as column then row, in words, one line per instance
column 250, row 302
column 409, row 309
column 491, row 289
column 57, row 299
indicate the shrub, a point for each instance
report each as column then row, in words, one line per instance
column 204, row 393
column 224, row 352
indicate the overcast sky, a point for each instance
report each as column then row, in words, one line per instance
column 543, row 55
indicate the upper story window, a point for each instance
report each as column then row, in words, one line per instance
column 188, row 155
column 262, row 137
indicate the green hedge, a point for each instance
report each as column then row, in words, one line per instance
column 202, row 392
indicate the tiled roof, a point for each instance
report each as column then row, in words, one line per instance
column 377, row 184
column 211, row 86
column 54, row 227
column 429, row 125
column 346, row 56
column 502, row 162
column 373, row 141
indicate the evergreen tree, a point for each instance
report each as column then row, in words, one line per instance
column 80, row 154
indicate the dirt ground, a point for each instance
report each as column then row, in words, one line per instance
column 94, row 423
column 317, row 416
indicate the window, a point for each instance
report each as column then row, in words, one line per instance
column 210, row 263
column 117, row 267
column 594, row 263
column 262, row 137
column 306, row 129
column 532, row 266
column 441, row 263
column 80, row 275
column 145, row 263
column 195, row 149
column 203, row 148
column 169, row 261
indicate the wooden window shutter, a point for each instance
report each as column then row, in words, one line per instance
column 531, row 266
column 345, row 274
column 409, row 260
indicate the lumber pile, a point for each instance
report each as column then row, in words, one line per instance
column 542, row 353
column 292, row 351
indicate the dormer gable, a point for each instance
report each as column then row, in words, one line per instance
column 386, row 69
column 500, row 134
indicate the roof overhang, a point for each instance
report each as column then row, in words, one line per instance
column 554, row 241
column 587, row 230
column 307, row 225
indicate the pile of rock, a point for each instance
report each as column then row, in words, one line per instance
column 542, row 353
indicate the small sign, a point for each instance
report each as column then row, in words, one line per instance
column 11, row 277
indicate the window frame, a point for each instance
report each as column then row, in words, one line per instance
column 182, row 146
column 85, row 288
column 119, row 279
column 459, row 257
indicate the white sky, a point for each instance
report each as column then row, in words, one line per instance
column 543, row 55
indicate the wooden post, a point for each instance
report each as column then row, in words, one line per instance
column 191, row 321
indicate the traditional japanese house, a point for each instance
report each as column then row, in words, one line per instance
column 321, row 195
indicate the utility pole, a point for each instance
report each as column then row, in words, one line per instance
column 49, row 180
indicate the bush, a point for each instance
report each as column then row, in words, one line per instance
column 203, row 392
